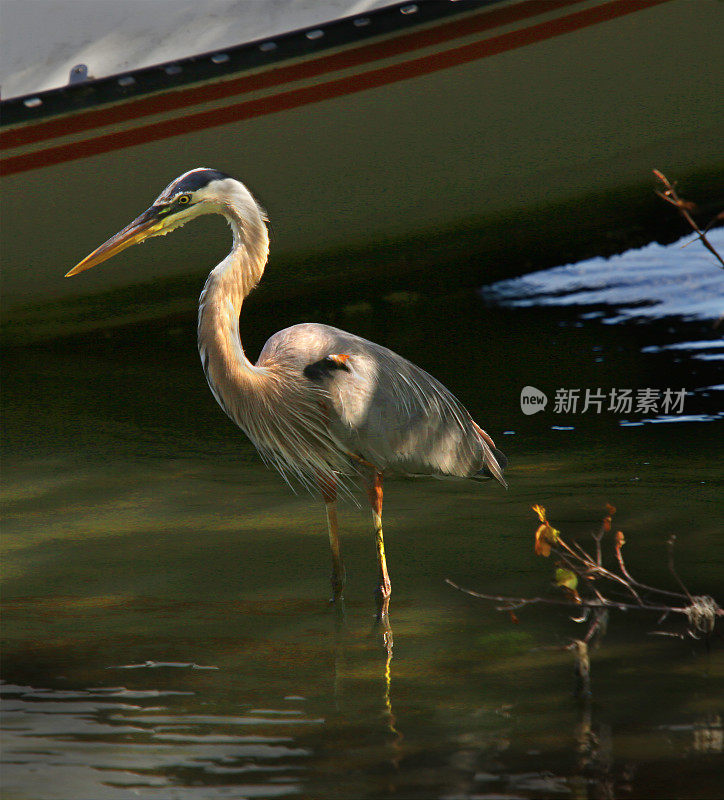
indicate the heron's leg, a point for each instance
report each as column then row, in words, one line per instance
column 338, row 571
column 329, row 493
column 384, row 588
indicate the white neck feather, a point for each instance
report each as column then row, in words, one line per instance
column 222, row 355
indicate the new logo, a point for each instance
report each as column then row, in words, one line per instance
column 532, row 400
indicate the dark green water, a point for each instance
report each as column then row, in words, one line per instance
column 166, row 627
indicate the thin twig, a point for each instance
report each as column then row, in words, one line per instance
column 586, row 557
column 598, row 594
column 575, row 563
column 519, row 602
column 599, row 621
column 718, row 218
column 597, row 540
column 594, row 568
column 683, row 206
column 670, row 547
column 619, row 557
column 634, row 582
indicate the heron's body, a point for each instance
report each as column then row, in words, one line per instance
column 320, row 404
column 381, row 407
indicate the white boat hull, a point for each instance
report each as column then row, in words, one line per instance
column 517, row 107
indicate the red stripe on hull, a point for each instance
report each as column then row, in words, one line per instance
column 182, row 98
column 296, row 98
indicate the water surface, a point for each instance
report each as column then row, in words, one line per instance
column 166, row 627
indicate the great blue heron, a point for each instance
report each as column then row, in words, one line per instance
column 321, row 405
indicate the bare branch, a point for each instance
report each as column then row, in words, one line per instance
column 619, row 556
column 574, row 564
column 600, row 623
column 683, row 207
column 519, row 602
column 593, row 568
column 579, row 648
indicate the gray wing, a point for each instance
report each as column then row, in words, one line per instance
column 383, row 408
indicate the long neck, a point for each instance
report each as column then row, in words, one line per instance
column 282, row 415
column 228, row 371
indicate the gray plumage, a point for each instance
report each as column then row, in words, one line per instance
column 383, row 408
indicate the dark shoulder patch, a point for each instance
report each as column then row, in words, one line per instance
column 324, row 367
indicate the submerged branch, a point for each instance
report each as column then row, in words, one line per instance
column 576, row 568
column 513, row 603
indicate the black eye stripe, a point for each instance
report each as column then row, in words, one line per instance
column 172, row 205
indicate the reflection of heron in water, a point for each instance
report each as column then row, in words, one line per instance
column 386, row 713
column 320, row 404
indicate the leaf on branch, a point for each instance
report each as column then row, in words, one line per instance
column 575, row 567
column 568, row 581
column 567, row 578
column 546, row 535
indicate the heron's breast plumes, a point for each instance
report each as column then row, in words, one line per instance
column 286, row 420
column 284, row 416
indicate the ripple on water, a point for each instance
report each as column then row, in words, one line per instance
column 653, row 282
column 135, row 746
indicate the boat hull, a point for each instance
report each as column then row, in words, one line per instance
column 393, row 152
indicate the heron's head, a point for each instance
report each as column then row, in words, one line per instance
column 200, row 191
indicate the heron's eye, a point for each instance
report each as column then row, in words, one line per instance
column 184, row 200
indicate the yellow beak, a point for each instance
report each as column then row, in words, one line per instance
column 148, row 224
